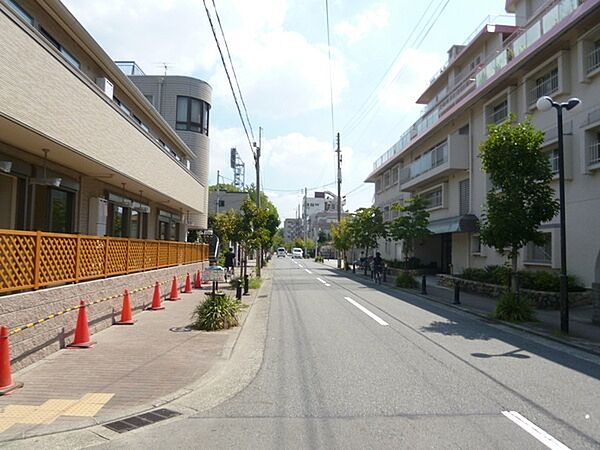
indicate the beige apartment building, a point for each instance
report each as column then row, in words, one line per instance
column 552, row 49
column 82, row 150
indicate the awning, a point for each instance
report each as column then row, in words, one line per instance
column 459, row 224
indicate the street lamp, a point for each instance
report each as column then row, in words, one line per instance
column 545, row 103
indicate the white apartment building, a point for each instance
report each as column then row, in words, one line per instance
column 553, row 49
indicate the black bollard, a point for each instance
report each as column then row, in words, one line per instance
column 456, row 294
column 353, row 268
column 238, row 289
column 424, row 285
column 246, row 284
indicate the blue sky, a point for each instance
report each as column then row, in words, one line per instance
column 279, row 49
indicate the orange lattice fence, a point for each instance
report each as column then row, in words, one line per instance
column 30, row 260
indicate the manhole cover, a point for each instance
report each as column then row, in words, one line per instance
column 141, row 420
column 181, row 329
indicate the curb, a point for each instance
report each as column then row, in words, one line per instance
column 484, row 316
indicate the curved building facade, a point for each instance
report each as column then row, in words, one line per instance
column 184, row 102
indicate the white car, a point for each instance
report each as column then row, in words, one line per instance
column 281, row 252
column 297, row 252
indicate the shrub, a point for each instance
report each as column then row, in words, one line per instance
column 254, row 282
column 513, row 309
column 215, row 313
column 319, row 259
column 404, row 280
column 537, row 280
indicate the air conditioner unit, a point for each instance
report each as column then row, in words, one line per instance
column 106, row 85
column 97, row 216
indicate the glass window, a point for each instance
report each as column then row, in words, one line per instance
column 20, row 11
column 553, row 160
column 192, row 115
column 433, row 198
column 540, row 253
column 61, row 211
column 150, row 98
column 475, row 244
column 66, row 53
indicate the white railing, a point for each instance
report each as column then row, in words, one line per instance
column 594, row 153
column 593, row 60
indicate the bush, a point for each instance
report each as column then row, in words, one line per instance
column 254, row 282
column 319, row 259
column 537, row 280
column 404, row 280
column 513, row 309
column 215, row 313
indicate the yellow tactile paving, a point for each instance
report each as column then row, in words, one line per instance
column 49, row 411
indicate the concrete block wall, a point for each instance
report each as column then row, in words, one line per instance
column 33, row 344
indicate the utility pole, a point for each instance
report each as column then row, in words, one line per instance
column 257, row 168
column 217, row 205
column 339, row 192
column 305, row 217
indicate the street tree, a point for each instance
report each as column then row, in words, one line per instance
column 410, row 225
column 341, row 235
column 521, row 198
column 367, row 227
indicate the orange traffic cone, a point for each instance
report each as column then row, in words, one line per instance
column 174, row 291
column 188, row 285
column 156, row 305
column 82, row 332
column 126, row 316
column 198, row 280
column 6, row 381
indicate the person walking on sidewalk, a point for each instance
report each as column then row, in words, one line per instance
column 229, row 263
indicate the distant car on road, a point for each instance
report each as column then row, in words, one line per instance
column 281, row 253
column 297, row 252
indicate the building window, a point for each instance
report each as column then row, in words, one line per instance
column 20, row 11
column 61, row 211
column 593, row 58
column 150, row 98
column 545, row 84
column 192, row 115
column 594, row 149
column 541, row 254
column 66, row 54
column 124, row 108
column 475, row 244
column 434, row 199
column 168, row 226
column 498, row 113
column 378, row 185
column 395, row 174
column 553, row 160
column 386, row 179
column 464, row 199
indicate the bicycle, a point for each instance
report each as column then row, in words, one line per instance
column 377, row 272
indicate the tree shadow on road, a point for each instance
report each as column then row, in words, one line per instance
column 451, row 328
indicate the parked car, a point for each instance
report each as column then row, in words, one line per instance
column 281, row 253
column 297, row 252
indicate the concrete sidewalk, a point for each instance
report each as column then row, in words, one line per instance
column 131, row 369
column 583, row 333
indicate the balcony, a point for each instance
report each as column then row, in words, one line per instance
column 446, row 158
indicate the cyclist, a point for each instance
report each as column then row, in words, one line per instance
column 377, row 267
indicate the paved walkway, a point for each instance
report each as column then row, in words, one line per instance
column 583, row 333
column 129, row 370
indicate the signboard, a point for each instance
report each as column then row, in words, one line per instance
column 214, row 273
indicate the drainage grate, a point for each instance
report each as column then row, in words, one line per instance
column 141, row 420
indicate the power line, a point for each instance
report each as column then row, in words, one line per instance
column 228, row 77
column 233, row 70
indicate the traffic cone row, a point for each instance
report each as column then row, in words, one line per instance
column 81, row 338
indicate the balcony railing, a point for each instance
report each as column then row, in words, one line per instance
column 515, row 45
column 30, row 260
column 593, row 60
column 430, row 160
column 594, row 153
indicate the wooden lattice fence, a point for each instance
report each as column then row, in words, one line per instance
column 30, row 260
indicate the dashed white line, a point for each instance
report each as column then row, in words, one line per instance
column 375, row 317
column 301, row 266
column 308, row 271
column 535, row 431
column 323, row 281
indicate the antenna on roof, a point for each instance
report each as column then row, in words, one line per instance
column 165, row 65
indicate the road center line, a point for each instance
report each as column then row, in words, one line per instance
column 321, row 280
column 535, row 431
column 301, row 266
column 375, row 317
column 308, row 271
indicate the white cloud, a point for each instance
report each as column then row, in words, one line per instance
column 359, row 27
column 409, row 78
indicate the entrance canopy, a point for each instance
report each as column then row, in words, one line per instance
column 459, row 224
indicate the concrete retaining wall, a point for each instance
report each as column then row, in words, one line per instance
column 31, row 345
column 540, row 299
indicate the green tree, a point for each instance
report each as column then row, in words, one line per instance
column 521, row 198
column 410, row 225
column 341, row 235
column 367, row 227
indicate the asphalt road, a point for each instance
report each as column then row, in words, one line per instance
column 350, row 365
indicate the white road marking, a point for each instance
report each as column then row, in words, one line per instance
column 308, row 271
column 535, row 431
column 301, row 266
column 375, row 317
column 323, row 281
